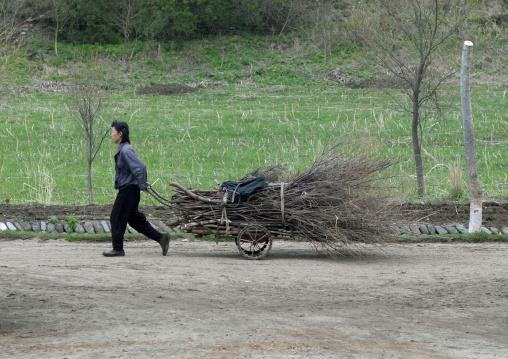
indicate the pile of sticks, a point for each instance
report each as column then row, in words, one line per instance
column 335, row 203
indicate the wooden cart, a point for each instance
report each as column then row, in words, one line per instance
column 253, row 239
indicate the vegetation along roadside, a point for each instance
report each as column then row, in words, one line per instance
column 252, row 99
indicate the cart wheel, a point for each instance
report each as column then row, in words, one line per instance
column 254, row 241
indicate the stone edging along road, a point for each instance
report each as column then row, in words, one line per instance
column 103, row 226
column 430, row 229
column 91, row 227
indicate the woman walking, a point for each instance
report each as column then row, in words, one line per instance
column 130, row 179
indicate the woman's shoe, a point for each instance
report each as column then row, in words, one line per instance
column 113, row 253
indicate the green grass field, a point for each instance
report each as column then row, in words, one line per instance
column 225, row 132
column 276, row 108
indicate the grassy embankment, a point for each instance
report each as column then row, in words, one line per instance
column 275, row 108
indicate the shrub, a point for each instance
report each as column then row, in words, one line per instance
column 71, row 221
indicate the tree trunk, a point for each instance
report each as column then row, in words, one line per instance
column 89, row 160
column 90, row 192
column 475, row 191
column 416, row 147
column 56, row 39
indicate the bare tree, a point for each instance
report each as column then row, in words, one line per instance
column 409, row 38
column 60, row 14
column 475, row 191
column 134, row 22
column 283, row 15
column 10, row 21
column 124, row 16
column 323, row 18
column 11, row 52
column 86, row 103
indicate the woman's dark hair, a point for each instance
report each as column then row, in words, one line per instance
column 122, row 127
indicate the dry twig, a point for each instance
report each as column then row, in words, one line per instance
column 335, row 203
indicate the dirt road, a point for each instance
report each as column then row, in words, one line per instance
column 64, row 300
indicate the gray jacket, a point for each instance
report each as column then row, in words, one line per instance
column 128, row 168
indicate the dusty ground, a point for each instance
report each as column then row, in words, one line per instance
column 495, row 213
column 64, row 300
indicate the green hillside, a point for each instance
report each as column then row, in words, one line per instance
column 250, row 99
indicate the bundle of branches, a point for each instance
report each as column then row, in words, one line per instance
column 338, row 201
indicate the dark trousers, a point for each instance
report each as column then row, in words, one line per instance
column 125, row 210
